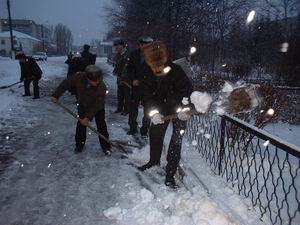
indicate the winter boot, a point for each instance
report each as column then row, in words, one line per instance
column 78, row 149
column 107, row 152
column 148, row 166
column 170, row 182
column 132, row 132
column 144, row 132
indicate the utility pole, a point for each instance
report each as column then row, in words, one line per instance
column 12, row 53
column 43, row 38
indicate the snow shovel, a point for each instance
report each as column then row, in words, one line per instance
column 116, row 143
column 10, row 85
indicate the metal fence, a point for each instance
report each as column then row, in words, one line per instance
column 256, row 164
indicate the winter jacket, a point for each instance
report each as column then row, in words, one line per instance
column 75, row 65
column 30, row 69
column 88, row 57
column 120, row 69
column 90, row 99
column 137, row 69
column 166, row 93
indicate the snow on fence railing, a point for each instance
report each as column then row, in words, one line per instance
column 258, row 165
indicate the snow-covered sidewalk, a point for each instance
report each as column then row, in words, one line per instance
column 42, row 181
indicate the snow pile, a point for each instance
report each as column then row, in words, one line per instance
column 113, row 213
column 201, row 101
column 169, row 208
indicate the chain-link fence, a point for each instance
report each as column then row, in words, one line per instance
column 256, row 164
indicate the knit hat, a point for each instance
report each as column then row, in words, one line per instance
column 94, row 73
column 145, row 40
column 20, row 55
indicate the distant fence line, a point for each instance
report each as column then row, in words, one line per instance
column 257, row 165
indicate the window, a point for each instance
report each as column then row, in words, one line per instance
column 2, row 42
column 107, row 49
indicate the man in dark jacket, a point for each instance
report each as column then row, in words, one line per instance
column 120, row 70
column 90, row 93
column 76, row 64
column 162, row 94
column 90, row 59
column 137, row 69
column 30, row 71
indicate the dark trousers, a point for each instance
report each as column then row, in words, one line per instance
column 157, row 135
column 134, row 112
column 123, row 93
column 80, row 136
column 36, row 89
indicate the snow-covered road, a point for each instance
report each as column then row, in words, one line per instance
column 42, row 181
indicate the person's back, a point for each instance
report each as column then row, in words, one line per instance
column 77, row 64
column 89, row 58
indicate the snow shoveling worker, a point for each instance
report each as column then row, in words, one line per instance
column 90, row 94
column 120, row 70
column 30, row 71
column 162, row 94
column 138, row 69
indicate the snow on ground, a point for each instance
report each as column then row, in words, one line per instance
column 287, row 132
column 42, row 181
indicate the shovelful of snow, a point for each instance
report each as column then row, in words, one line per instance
column 250, row 16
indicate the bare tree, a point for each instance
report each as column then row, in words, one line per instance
column 63, row 39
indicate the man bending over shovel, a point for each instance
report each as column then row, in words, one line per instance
column 90, row 94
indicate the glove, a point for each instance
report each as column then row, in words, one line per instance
column 183, row 115
column 157, row 119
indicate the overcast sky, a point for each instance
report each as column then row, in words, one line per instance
column 86, row 18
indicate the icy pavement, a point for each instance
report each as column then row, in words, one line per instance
column 42, row 181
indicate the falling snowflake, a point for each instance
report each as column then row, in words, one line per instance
column 49, row 165
column 270, row 112
column 194, row 143
column 250, row 17
column 266, row 143
column 284, row 47
column 182, row 132
column 7, row 137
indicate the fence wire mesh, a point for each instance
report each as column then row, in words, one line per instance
column 256, row 164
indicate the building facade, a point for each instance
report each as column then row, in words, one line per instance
column 22, row 42
column 29, row 27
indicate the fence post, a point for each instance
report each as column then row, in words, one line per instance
column 222, row 141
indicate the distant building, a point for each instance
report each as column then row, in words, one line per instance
column 106, row 49
column 29, row 27
column 21, row 41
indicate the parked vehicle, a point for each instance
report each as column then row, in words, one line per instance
column 40, row 56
